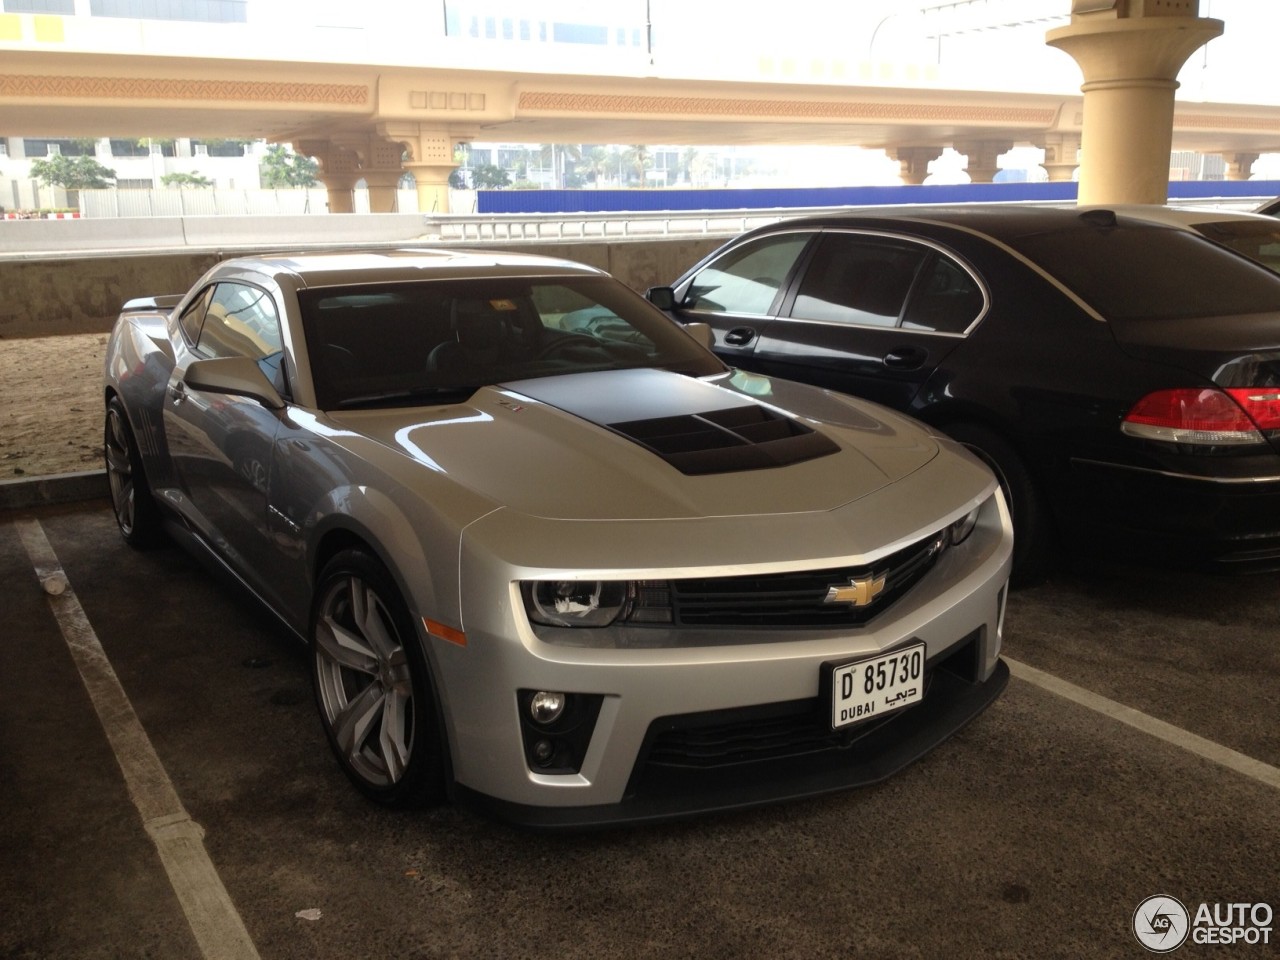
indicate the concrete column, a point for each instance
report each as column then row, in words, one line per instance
column 981, row 157
column 347, row 158
column 913, row 162
column 1130, row 52
column 1239, row 165
column 1061, row 155
column 339, row 171
column 430, row 158
column 382, row 189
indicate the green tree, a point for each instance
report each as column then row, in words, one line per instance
column 488, row 176
column 282, row 167
column 72, row 173
column 595, row 162
column 186, row 180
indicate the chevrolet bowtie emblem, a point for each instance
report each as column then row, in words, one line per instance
column 860, row 591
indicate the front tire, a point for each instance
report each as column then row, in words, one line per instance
column 1034, row 538
column 372, row 684
column 136, row 512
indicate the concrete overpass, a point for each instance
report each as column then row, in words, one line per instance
column 400, row 100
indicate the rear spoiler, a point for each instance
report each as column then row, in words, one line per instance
column 151, row 304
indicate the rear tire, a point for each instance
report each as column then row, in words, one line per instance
column 136, row 512
column 1035, row 542
column 372, row 684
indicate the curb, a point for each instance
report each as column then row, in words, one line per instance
column 24, row 493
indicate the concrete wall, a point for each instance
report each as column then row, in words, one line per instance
column 49, row 295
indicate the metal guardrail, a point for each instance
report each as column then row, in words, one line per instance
column 597, row 226
column 514, row 227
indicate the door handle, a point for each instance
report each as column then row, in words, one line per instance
column 739, row 336
column 906, row 358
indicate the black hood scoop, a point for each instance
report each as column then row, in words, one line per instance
column 695, row 426
column 727, row 441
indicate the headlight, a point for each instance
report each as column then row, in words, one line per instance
column 575, row 603
column 959, row 531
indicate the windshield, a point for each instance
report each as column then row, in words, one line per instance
column 406, row 344
column 1256, row 239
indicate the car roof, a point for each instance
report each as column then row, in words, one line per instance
column 1000, row 221
column 339, row 267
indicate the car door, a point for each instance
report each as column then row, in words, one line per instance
column 221, row 444
column 871, row 314
column 739, row 293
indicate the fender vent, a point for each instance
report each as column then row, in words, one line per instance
column 728, row 441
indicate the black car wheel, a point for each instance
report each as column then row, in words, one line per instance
column 136, row 513
column 372, row 684
column 1034, row 540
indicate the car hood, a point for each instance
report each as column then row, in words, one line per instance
column 648, row 444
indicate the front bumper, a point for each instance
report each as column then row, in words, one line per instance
column 662, row 790
column 749, row 685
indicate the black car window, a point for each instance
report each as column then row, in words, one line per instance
column 945, row 300
column 748, row 278
column 856, row 280
column 1140, row 272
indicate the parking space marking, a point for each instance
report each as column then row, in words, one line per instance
column 1184, row 739
column 217, row 926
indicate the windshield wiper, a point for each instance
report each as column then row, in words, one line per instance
column 408, row 398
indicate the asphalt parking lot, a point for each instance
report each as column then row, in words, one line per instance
column 1036, row 832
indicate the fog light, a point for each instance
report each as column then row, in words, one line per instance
column 543, row 751
column 546, row 707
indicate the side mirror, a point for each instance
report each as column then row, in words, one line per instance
column 701, row 332
column 664, row 298
column 238, row 376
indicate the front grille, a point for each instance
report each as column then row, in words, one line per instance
column 784, row 730
column 799, row 599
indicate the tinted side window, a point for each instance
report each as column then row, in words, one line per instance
column 855, row 280
column 241, row 322
column 747, row 278
column 946, row 299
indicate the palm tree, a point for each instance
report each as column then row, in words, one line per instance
column 640, row 161
column 595, row 161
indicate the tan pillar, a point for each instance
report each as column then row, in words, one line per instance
column 430, row 159
column 1130, row 52
column 1239, row 165
column 982, row 157
column 382, row 185
column 1061, row 152
column 913, row 162
column 339, row 171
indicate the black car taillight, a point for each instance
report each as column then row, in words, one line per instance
column 1206, row 416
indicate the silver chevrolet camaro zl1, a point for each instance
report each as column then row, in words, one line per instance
column 551, row 557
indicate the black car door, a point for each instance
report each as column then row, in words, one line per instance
column 739, row 293
column 870, row 314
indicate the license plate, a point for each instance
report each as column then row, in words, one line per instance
column 876, row 686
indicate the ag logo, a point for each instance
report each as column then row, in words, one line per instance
column 1161, row 924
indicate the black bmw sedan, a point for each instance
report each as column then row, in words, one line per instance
column 1121, row 377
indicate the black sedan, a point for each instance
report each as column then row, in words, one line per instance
column 1121, row 376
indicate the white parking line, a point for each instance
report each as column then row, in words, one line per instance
column 1232, row 759
column 218, row 929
